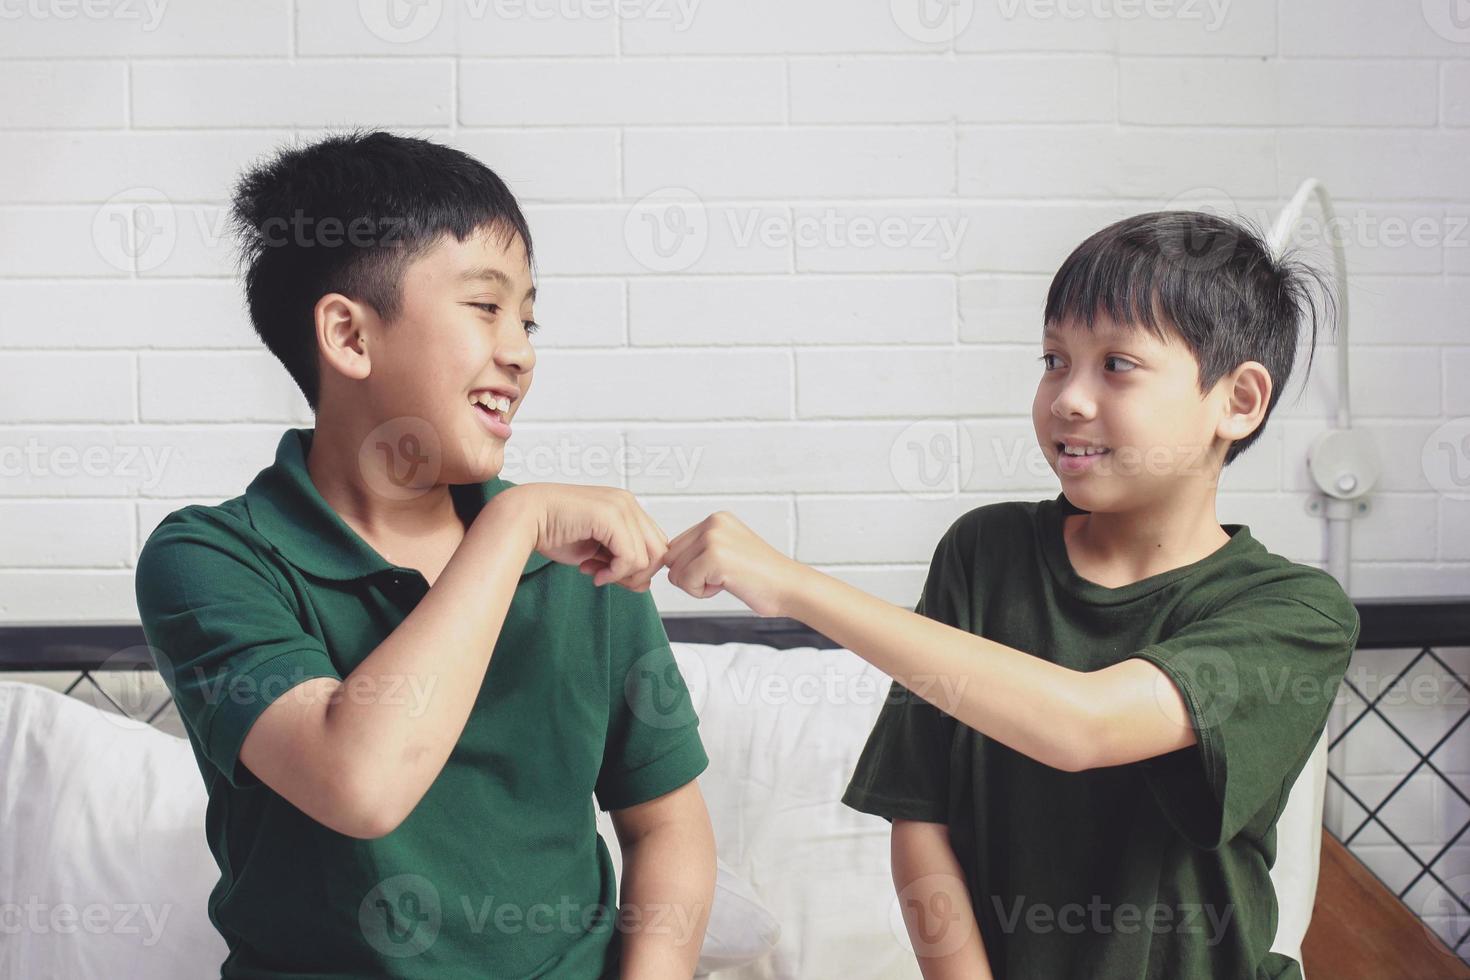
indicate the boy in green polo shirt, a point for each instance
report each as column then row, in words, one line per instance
column 1101, row 700
column 405, row 679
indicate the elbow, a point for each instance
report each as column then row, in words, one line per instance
column 370, row 824
column 1081, row 744
column 366, row 809
column 1072, row 758
column 373, row 830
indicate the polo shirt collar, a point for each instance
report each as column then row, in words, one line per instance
column 289, row 511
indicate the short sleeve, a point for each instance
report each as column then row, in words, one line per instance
column 222, row 634
column 653, row 745
column 1259, row 677
column 903, row 770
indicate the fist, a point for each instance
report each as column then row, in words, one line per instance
column 721, row 554
column 601, row 530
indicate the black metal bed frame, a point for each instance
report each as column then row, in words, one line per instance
column 1387, row 624
column 87, row 648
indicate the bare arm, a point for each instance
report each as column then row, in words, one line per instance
column 1067, row 719
column 358, row 754
column 668, row 883
column 935, row 902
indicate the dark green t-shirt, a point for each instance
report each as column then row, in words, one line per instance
column 499, row 871
column 1157, row 869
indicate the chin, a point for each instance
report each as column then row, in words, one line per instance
column 1083, row 496
column 483, row 459
column 489, row 465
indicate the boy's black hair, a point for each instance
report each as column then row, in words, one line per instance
column 348, row 214
column 1210, row 281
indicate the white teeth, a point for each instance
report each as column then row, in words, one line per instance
column 1082, row 452
column 496, row 403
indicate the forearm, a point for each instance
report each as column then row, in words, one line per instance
column 667, row 889
column 400, row 712
column 1039, row 708
column 1064, row 718
column 935, row 902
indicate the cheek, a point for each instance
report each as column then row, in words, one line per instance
column 1041, row 403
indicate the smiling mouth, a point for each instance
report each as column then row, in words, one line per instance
column 1062, row 451
column 493, row 413
column 497, row 406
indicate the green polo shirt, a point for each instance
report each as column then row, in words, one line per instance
column 499, row 871
column 1158, row 869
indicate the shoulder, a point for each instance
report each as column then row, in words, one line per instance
column 1318, row 590
column 195, row 538
column 1266, row 579
column 205, row 522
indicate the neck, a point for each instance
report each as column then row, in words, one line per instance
column 1151, row 538
column 383, row 487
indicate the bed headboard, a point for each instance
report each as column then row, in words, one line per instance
column 1387, row 622
column 122, row 646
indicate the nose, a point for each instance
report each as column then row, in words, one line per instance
column 513, row 350
column 1074, row 401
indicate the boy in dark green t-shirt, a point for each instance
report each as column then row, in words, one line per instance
column 1100, row 702
column 405, row 679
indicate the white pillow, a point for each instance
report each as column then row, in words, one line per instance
column 783, row 729
column 101, row 844
column 102, row 847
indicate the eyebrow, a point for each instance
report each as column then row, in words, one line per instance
column 1109, row 333
column 491, row 274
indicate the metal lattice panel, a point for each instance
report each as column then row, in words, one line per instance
column 1380, row 817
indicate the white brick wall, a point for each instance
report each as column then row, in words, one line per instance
column 883, row 206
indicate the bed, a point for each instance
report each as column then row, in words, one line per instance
column 101, row 814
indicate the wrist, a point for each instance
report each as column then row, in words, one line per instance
column 794, row 583
column 512, row 513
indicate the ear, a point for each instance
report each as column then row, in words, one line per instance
column 1247, row 393
column 341, row 337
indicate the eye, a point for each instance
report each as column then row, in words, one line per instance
column 491, row 308
column 1112, row 357
column 1044, row 365
column 531, row 326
